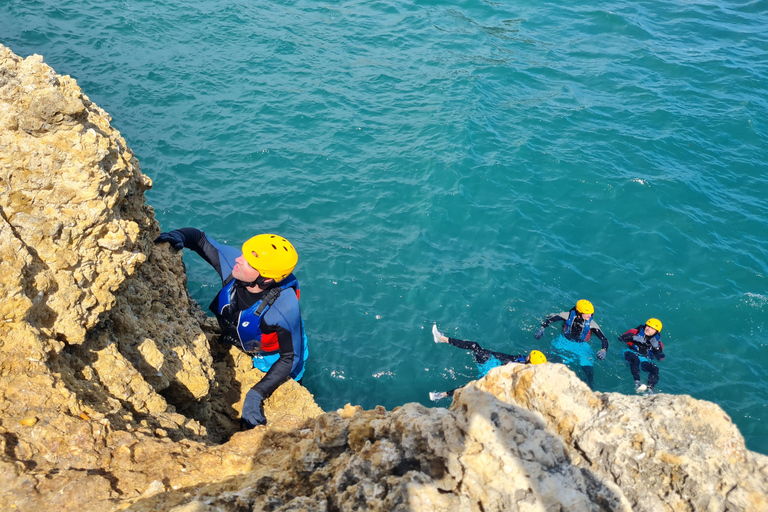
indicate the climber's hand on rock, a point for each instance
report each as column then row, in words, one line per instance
column 174, row 238
column 253, row 410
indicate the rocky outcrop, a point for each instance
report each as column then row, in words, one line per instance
column 522, row 438
column 115, row 395
column 108, row 387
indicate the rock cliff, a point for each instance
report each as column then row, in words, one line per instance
column 114, row 394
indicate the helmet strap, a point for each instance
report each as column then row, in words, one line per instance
column 259, row 281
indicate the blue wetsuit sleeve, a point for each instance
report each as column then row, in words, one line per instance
column 284, row 319
column 227, row 257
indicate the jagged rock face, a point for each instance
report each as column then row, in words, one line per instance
column 107, row 381
column 115, row 395
column 522, row 438
column 482, row 455
column 665, row 452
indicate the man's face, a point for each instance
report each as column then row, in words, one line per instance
column 586, row 316
column 243, row 270
column 649, row 331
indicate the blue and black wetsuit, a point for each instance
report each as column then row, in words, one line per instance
column 573, row 344
column 485, row 359
column 640, row 352
column 276, row 334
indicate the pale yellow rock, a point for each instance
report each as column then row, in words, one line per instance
column 96, row 318
column 28, row 421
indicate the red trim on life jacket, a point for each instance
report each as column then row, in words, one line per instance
column 269, row 342
column 633, row 332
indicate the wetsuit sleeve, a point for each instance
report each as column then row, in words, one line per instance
column 554, row 318
column 219, row 256
column 284, row 319
column 658, row 352
column 197, row 241
column 628, row 336
column 281, row 369
column 597, row 332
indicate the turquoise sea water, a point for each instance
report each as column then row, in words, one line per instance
column 476, row 164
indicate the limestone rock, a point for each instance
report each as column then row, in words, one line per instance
column 107, row 381
column 522, row 438
column 665, row 452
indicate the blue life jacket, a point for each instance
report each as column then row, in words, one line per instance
column 243, row 328
column 249, row 320
column 585, row 332
column 494, row 362
column 484, row 368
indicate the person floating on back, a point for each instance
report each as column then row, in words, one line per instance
column 257, row 308
column 573, row 343
column 644, row 345
column 485, row 359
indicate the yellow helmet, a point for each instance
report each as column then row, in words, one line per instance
column 272, row 255
column 654, row 323
column 537, row 357
column 584, row 306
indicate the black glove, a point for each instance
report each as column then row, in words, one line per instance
column 253, row 410
column 174, row 238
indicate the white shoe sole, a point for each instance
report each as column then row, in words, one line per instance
column 436, row 335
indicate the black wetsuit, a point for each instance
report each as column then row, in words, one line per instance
column 484, row 358
column 640, row 350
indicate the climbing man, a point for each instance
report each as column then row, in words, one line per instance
column 257, row 308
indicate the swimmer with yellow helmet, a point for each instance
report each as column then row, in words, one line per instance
column 573, row 343
column 643, row 346
column 257, row 307
column 484, row 359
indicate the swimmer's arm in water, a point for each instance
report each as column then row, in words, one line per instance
column 597, row 332
column 560, row 317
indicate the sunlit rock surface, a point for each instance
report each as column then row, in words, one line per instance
column 115, row 395
column 108, row 386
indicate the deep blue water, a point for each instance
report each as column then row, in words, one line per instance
column 476, row 164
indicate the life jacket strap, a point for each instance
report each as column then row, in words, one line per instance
column 269, row 298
